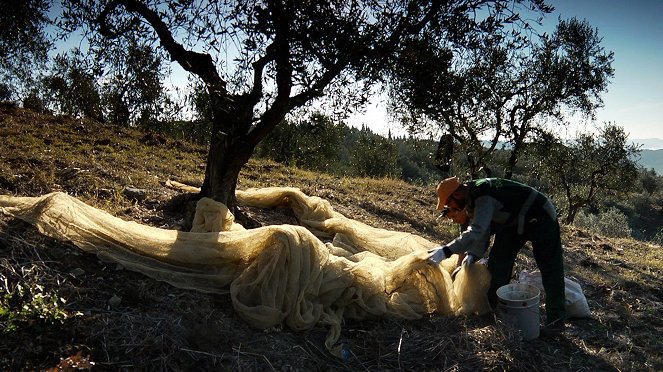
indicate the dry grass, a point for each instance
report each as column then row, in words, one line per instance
column 106, row 318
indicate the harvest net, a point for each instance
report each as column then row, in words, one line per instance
column 280, row 274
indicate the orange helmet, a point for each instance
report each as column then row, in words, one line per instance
column 445, row 189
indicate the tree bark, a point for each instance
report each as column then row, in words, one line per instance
column 229, row 148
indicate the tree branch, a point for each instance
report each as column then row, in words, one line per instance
column 199, row 64
column 258, row 69
column 279, row 52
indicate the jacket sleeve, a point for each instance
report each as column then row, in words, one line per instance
column 475, row 238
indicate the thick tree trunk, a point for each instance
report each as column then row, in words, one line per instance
column 224, row 163
column 228, row 153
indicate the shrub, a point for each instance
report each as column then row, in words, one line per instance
column 612, row 223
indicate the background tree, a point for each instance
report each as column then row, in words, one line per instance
column 588, row 168
column 133, row 92
column 416, row 160
column 505, row 86
column 120, row 87
column 650, row 181
column 71, row 87
column 24, row 43
column 569, row 72
column 262, row 59
column 310, row 143
column 644, row 207
column 374, row 156
column 34, row 100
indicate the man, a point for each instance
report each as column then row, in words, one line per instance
column 514, row 213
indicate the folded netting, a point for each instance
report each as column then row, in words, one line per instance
column 318, row 215
column 281, row 274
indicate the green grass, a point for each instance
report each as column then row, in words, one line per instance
column 39, row 311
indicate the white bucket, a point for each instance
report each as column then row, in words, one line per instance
column 518, row 306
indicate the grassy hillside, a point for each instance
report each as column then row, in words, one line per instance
column 64, row 308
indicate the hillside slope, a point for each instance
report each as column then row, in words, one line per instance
column 652, row 159
column 63, row 308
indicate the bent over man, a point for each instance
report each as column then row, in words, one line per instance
column 515, row 214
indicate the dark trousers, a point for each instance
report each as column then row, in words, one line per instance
column 547, row 248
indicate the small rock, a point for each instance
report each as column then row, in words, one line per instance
column 114, row 301
column 134, row 193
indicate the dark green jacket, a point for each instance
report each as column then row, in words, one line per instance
column 494, row 204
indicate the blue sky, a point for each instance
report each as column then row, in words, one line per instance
column 633, row 30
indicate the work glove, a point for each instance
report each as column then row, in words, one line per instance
column 438, row 254
column 469, row 260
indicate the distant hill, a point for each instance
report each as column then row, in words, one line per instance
column 652, row 159
column 651, row 153
column 649, row 143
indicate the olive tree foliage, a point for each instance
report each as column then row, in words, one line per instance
column 309, row 143
column 587, row 168
column 508, row 87
column 650, row 182
column 119, row 88
column 24, row 43
column 71, row 88
column 261, row 59
column 374, row 156
column 133, row 93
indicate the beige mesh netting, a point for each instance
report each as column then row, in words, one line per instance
column 275, row 274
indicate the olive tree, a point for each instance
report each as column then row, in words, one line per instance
column 71, row 87
column 24, row 42
column 504, row 87
column 259, row 60
column 133, row 93
column 588, row 167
